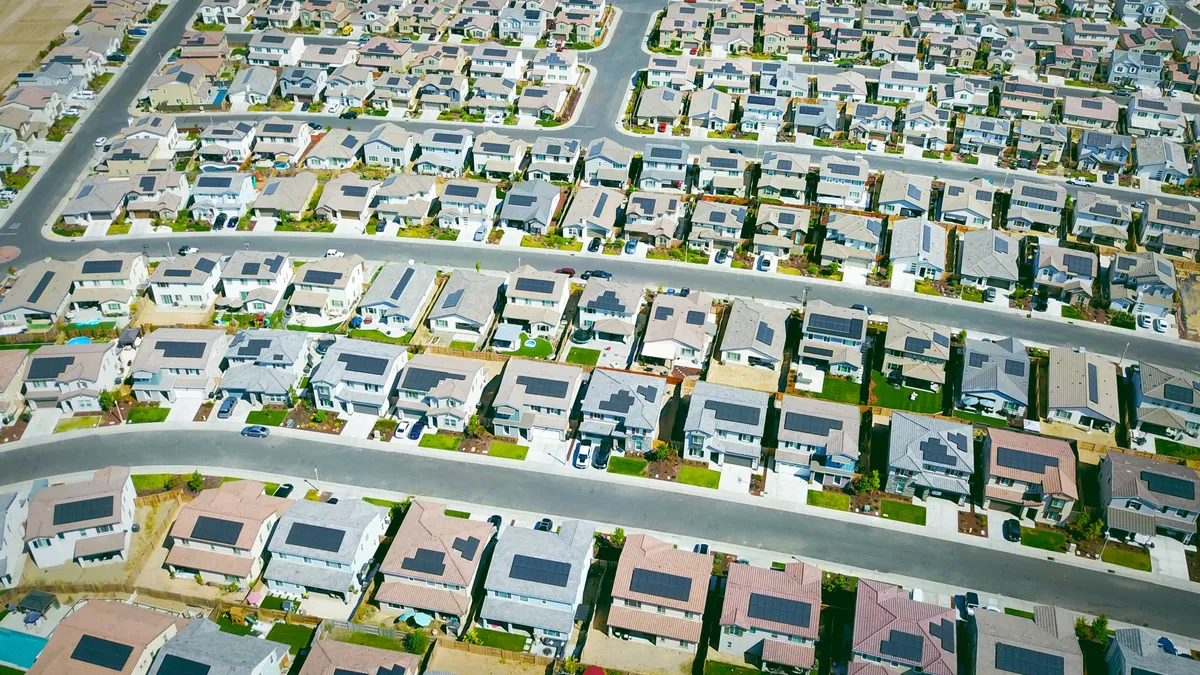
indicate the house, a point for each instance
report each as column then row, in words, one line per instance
column 918, row 246
column 201, row 644
column 266, row 365
column 275, row 48
column 888, row 49
column 397, row 296
column 1145, row 498
column 675, row 72
column 1030, row 476
column 466, row 306
column 62, row 516
column 70, row 377
column 161, row 130
column 516, row 23
column 325, row 548
column 583, row 26
column 98, row 201
column 543, row 102
column 832, row 340
column 833, row 16
column 883, row 20
column 905, row 194
column 754, row 335
column 220, row 535
column 655, row 218
column 682, row 27
column 492, row 96
column 1099, row 34
column 1101, row 218
column 444, row 153
column 536, row 580
column 1163, row 403
column 1161, row 159
column 902, row 82
column 1142, row 283
column 1170, row 229
column 1083, row 390
column 665, row 166
column 536, row 300
column 358, row 376
column 916, row 353
column 1143, row 11
column 442, row 390
column 44, row 106
column 1036, row 206
column 780, row 78
column 1047, row 638
column 995, row 378
column 988, row 258
column 722, row 171
column 1143, row 70
column 928, row 457
column 188, row 281
column 784, row 37
column 535, row 399
column 1024, row 98
column 979, row 22
column 710, row 109
column 784, row 176
column 337, row 150
column 679, row 331
column 1155, row 117
column 593, row 213
column 607, row 163
column 224, row 12
column 443, row 92
column 288, row 195
column 871, row 122
column 930, row 23
column 39, row 297
column 277, row 14
column 433, row 563
column 390, row 146
column 404, row 199
column 1096, row 10
column 716, row 226
column 953, row 51
column 843, row 182
column 1099, row 113
column 228, row 143
column 927, row 126
column 1073, row 62
column 327, row 656
column 1065, row 273
column 1040, row 141
column 531, row 206
column 658, row 594
column 553, row 159
column 281, row 140
column 966, row 203
column 549, row 66
column 1103, row 151
column 12, row 405
column 658, row 105
column 325, row 291
column 130, row 156
column 328, row 57
column 844, row 86
column 725, row 424
column 181, row 84
column 123, row 636
column 174, row 363
column 620, row 410
column 350, row 86
column 819, row 120
column 1186, row 41
column 851, row 239
column 468, row 204
column 727, row 40
column 772, row 616
column 384, row 54
column 818, row 441
column 347, row 200
column 396, row 91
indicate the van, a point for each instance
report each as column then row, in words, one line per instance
column 85, row 94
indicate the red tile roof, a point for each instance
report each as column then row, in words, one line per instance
column 789, row 654
column 654, row 623
column 797, row 581
column 642, row 551
column 883, row 608
column 1056, row 480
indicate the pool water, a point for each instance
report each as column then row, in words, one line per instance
column 20, row 649
column 80, row 341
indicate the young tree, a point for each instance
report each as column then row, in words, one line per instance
column 109, row 401
column 195, row 482
column 416, row 642
column 1095, row 632
column 618, row 537
column 867, row 482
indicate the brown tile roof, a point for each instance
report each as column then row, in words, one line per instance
column 210, row 561
column 105, row 543
column 424, row 597
column 654, row 623
column 239, row 501
column 426, row 526
column 11, row 362
column 797, row 581
column 645, row 552
column 112, row 621
column 1056, row 480
column 866, row 668
column 789, row 654
column 107, row 481
column 329, row 656
column 883, row 608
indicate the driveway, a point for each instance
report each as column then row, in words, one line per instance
column 855, row 276
column 237, row 418
column 1169, row 557
column 735, row 478
column 511, row 237
column 903, row 281
column 359, row 425
column 940, row 515
column 42, row 422
column 184, row 410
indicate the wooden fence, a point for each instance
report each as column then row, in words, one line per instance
column 494, row 652
column 239, row 611
column 1099, row 449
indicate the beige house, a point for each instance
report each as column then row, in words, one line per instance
column 100, row 625
column 219, row 536
column 1029, row 475
column 183, row 84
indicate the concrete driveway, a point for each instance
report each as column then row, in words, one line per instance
column 1169, row 557
column 940, row 514
column 184, row 410
column 735, row 478
column 359, row 425
column 855, row 276
column 42, row 422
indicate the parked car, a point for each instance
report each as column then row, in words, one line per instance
column 117, row 57
column 595, row 244
column 700, row 548
column 315, row 127
column 1012, row 530
column 284, row 490
column 349, row 115
column 232, row 223
column 874, row 146
column 256, row 431
column 600, row 458
column 334, row 253
column 101, row 141
column 1110, row 177
column 544, row 525
column 662, row 127
column 599, row 274
column 1161, row 325
column 582, row 450
column 722, row 256
column 989, row 295
column 631, row 247
column 220, row 221
column 323, row 346
column 863, row 308
column 1078, row 181
column 227, row 407
column 569, row 271
column 764, row 262
column 188, row 250
column 481, row 233
column 139, row 32
column 415, row 432
column 1144, row 321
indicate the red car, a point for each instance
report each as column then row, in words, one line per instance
column 565, row 270
column 662, row 127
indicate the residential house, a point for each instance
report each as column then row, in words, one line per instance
column 397, row 296
column 224, row 12
column 659, row 105
column 620, row 410
column 1065, row 273
column 385, row 54
column 550, row 66
column 1101, row 218
column 754, row 335
column 845, row 86
column 1142, row 283
column 442, row 390
column 593, row 213
column 1170, row 229
column 288, row 195
column 188, row 281
column 536, row 300
column 659, row 592
column 871, row 122
column 683, row 27
column 1040, row 141
column 1143, row 11
column 1161, row 159
column 277, row 14
column 722, row 171
column 929, row 457
column 888, row 49
column 819, row 120
column 554, row 159
column 275, row 48
column 492, row 96
column 328, row 57
column 389, row 146
column 883, row 20
column 498, row 156
column 679, row 331
column 281, row 140
column 665, row 166
column 201, row 644
column 1163, row 404
column 535, row 399
column 956, row 52
column 916, row 353
column 347, row 200
column 905, row 194
column 1096, row 10
column 39, row 297
column 61, row 517
column 516, row 23
column 1083, row 389
column 918, row 247
column 1103, row 151
column 995, row 378
column 468, row 204
column 227, row 143
column 784, row 176
column 779, row 229
column 1024, row 98
column 902, row 82
column 542, row 102
column 175, row 363
column 444, row 153
column 764, row 114
column 1143, row 70
column 927, row 126
column 265, row 366
column 607, row 163
column 818, row 441
column 674, row 72
column 404, row 199
column 1186, row 41
column 1099, row 34
column 851, row 239
column 465, row 309
column 1073, row 62
column 655, row 218
column 358, row 376
column 884, row 614
column 108, row 282
column 338, row 149
column 324, row 547
column 123, row 636
column 832, row 340
column 1036, row 206
column 130, row 156
column 1100, row 112
column 785, row 37
column 350, row 86
column 1146, row 498
column 752, row 626
column 988, row 258
column 1155, row 117
column 325, row 291
column 70, row 377
column 971, row 94
column 833, row 16
column 327, row 655
column 843, row 182
column 1030, row 476
column 966, row 203
column 725, row 424
column 531, row 206
column 443, row 92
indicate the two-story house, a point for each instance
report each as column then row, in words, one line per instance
column 535, row 400
column 930, row 457
column 1142, row 283
column 39, row 297
column 188, row 281
column 725, row 425
column 174, row 363
column 88, row 522
column 72, row 376
column 610, row 308
column 893, row 629
column 716, row 226
column 1145, row 498
column 832, row 340
column 1163, row 401
column 843, row 182
column 397, row 297
column 680, row 330
column 326, row 290
column 468, row 204
column 466, row 306
column 754, row 335
column 593, row 213
column 1065, row 273
column 442, row 390
column 123, row 636
column 818, row 441
column 220, row 535
column 281, row 140
column 851, row 239
column 1170, row 229
column 266, row 365
column 658, row 594
column 1083, row 390
column 916, row 353
column 554, row 159
column 995, row 378
column 655, row 218
column 968, row 203
column 444, row 152
column 325, row 548
column 1036, row 206
column 772, row 616
column 665, row 166
column 784, row 176
column 217, row 194
column 536, row 300
column 620, row 410
column 607, row 164
column 1101, row 218
column 255, row 281
column 1029, row 474
column 275, row 48
column 358, row 376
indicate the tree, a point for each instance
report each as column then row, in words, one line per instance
column 416, row 642
column 1095, row 632
column 195, row 482
column 867, row 482
column 472, row 637
column 838, row 582
column 618, row 537
column 110, row 402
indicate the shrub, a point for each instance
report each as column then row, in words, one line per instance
column 195, row 482
column 416, row 642
column 472, row 638
column 618, row 537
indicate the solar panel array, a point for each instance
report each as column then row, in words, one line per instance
column 904, row 646
column 321, row 277
column 41, row 286
column 467, row 548
column 695, row 318
column 1077, row 264
column 1023, row 661
column 1038, row 193
column 425, row 561
column 83, row 510
column 779, row 610
column 48, row 367
column 944, row 631
column 423, row 379
column 620, row 402
column 810, row 424
column 403, row 283
column 1169, row 485
column 540, row 386
column 353, row 191
column 975, row 360
column 733, row 412
column 936, row 451
column 216, row 530
column 460, row 190
column 765, row 334
column 529, row 285
column 1093, row 383
column 368, row 365
column 837, row 326
column 540, row 570
column 180, row 350
column 1174, row 392
column 1024, row 461
column 100, row 652
column 916, row 345
column 607, row 301
column 1014, row 368
column 177, row 665
column 660, row 584
column 315, row 536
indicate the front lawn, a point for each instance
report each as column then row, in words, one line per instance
column 1165, row 446
column 440, row 441
column 841, row 391
column 451, row 513
column 148, row 415
column 540, row 350
column 59, row 129
column 150, row 481
column 905, row 513
column 1047, row 540
column 76, row 423
column 295, row 637
column 463, row 345
column 379, row 336
column 267, row 418
column 1133, row 559
column 508, row 451
column 1012, row 611
column 315, row 329
column 500, row 640
column 583, row 357
column 829, row 500
column 887, row 396
column 694, row 475
column 627, row 466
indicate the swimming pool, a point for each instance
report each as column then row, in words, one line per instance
column 80, row 341
column 20, row 649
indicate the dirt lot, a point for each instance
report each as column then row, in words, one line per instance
column 746, row 377
column 454, row 661
column 1189, row 296
column 25, row 29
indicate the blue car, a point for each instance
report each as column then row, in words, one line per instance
column 256, row 431
column 227, row 407
column 631, row 247
column 414, row 432
column 140, row 32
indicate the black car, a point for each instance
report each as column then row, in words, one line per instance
column 599, row 274
column 600, row 458
column 863, row 308
column 722, row 256
column 1012, row 530
column 544, row 525
column 220, row 221
column 702, row 549
column 594, row 245
column 232, row 224
column 414, row 432
column 284, row 490
column 332, row 500
column 349, row 115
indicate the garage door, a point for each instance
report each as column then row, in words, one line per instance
column 1012, row 509
column 189, row 394
column 739, row 461
column 363, row 408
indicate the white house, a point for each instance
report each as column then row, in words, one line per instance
column 325, row 548
column 325, row 291
column 444, row 390
column 358, row 376
column 71, row 376
column 536, row 300
column 87, row 522
column 222, row 193
column 397, row 297
column 255, row 281
column 175, row 363
column 188, row 281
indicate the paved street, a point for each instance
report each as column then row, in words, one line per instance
column 873, row 548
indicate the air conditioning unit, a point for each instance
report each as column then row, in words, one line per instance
column 546, row 651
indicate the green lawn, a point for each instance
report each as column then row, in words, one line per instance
column 270, row 488
column 316, row 329
column 691, row 475
column 451, row 513
column 897, row 399
column 440, row 442
column 379, row 336
column 148, row 415
column 541, row 350
column 501, row 640
column 1164, row 446
column 986, row 420
column 583, row 357
column 718, row 668
column 462, row 344
column 381, row 502
column 150, row 481
column 267, row 418
column 376, row 641
column 829, row 500
column 1012, row 611
column 905, row 513
column 272, row 602
column 5, row 670
column 841, row 391
column 229, row 627
column 627, row 466
column 1137, row 560
column 295, row 637
column 1047, row 540
column 76, row 423
column 508, row 451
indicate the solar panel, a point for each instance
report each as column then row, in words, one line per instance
column 663, row 313
column 606, row 301
column 941, row 340
column 83, row 510
column 977, row 360
column 177, row 273
column 1169, row 485
column 843, row 169
column 452, row 299
column 349, row 142
column 620, row 402
column 926, row 235
column 1023, row 661
column 321, row 277
column 460, row 190
column 369, row 365
column 250, row 268
column 733, row 412
column 660, row 584
column 540, row 386
column 1014, row 368
column 1039, row 193
column 100, row 652
column 41, row 286
column 494, row 147
column 423, row 379
column 765, row 333
column 520, row 200
column 466, row 547
column 904, row 646
column 936, row 451
column 779, row 610
column 1000, row 244
column 48, row 367
column 1093, row 384
column 216, row 530
column 403, row 283
column 1174, row 392
column 944, row 630
column 426, row 561
column 540, row 570
column 354, row 191
column 530, row 285
column 1176, row 216
column 1165, row 268
column 696, row 318
column 274, row 129
column 1077, row 264
column 810, row 424
column 180, row 350
column 723, row 162
column 214, row 181
column 819, row 351
column 177, row 665
column 315, row 536
column 916, row 345
column 1091, row 104
column 647, row 392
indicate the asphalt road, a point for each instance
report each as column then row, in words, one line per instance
column 863, row 546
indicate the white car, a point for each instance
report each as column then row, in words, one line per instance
column 874, row 146
column 1143, row 320
column 334, row 253
column 1161, row 325
column 101, row 142
column 1078, row 181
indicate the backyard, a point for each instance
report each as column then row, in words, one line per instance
column 540, row 350
column 829, row 500
column 986, row 420
column 719, row 668
column 500, row 640
column 295, row 637
column 841, row 391
column 1164, row 446
column 379, row 336
column 886, row 395
column 583, row 357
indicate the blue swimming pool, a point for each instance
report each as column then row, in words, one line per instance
column 20, row 649
column 80, row 341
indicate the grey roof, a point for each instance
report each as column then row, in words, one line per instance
column 921, row 239
column 538, row 383
column 935, row 338
column 439, row 376
column 660, row 102
column 1103, row 140
column 1144, row 268
column 989, row 254
column 611, row 296
column 1155, row 150
column 719, row 407
column 42, row 286
column 192, row 268
column 669, row 316
column 1128, row 479
column 201, row 646
column 595, row 205
column 1050, row 633
column 282, row 347
column 255, row 265
column 1001, row 366
column 1084, row 381
column 752, row 325
column 819, row 114
column 516, row 568
column 637, row 398
column 530, row 201
column 67, row 363
column 606, row 148
column 352, row 517
column 469, row 295
column 343, row 362
column 716, row 104
column 255, row 80
column 917, row 442
column 1141, row 650
column 836, row 429
column 1103, row 206
column 288, row 193
column 399, row 288
column 152, row 354
column 838, row 322
column 906, row 187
